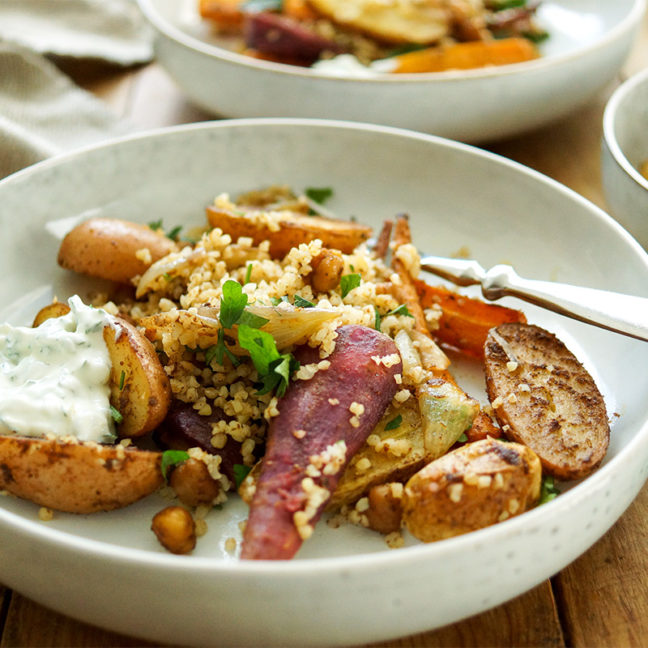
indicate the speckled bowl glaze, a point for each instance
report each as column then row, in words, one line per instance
column 589, row 41
column 624, row 148
column 345, row 586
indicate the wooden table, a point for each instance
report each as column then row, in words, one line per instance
column 601, row 599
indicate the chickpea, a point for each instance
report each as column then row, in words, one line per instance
column 175, row 529
column 385, row 509
column 328, row 266
column 193, row 484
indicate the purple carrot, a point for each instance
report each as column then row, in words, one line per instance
column 341, row 403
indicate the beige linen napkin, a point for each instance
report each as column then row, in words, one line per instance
column 42, row 112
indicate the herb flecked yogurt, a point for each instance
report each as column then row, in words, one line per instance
column 54, row 378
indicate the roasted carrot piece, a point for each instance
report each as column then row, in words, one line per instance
column 483, row 427
column 381, row 247
column 465, row 321
column 298, row 9
column 465, row 56
column 226, row 14
column 322, row 423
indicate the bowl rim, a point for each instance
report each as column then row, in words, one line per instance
column 610, row 115
column 173, row 33
column 540, row 516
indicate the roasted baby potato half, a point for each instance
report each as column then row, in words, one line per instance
column 470, row 488
column 544, row 398
column 112, row 249
column 77, row 477
column 139, row 387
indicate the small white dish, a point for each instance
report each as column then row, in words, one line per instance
column 345, row 586
column 624, row 149
column 588, row 44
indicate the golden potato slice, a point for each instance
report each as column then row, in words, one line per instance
column 544, row 398
column 139, row 386
column 470, row 488
column 405, row 21
column 288, row 229
column 77, row 477
column 113, row 249
column 55, row 309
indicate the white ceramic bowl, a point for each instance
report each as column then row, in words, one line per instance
column 624, row 148
column 345, row 586
column 589, row 41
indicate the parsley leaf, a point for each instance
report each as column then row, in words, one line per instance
column 248, row 273
column 172, row 458
column 463, row 438
column 319, row 194
column 250, row 319
column 155, row 225
column 240, row 473
column 173, row 233
column 274, row 369
column 122, row 378
column 349, row 282
column 401, row 310
column 116, row 415
column 548, row 490
column 394, row 423
column 277, row 300
column 303, row 303
column 233, row 303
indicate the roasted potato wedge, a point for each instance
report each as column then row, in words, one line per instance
column 139, row 386
column 77, row 477
column 544, row 398
column 406, row 21
column 289, row 230
column 109, row 248
column 470, row 488
column 55, row 309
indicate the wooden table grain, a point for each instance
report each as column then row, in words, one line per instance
column 601, row 599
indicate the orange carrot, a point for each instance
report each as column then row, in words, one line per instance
column 298, row 9
column 465, row 56
column 465, row 321
column 224, row 13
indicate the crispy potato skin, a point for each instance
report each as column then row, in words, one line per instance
column 294, row 229
column 107, row 247
column 561, row 415
column 475, row 486
column 77, row 477
column 55, row 309
column 143, row 396
column 385, row 510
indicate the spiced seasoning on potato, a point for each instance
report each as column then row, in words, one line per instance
column 544, row 398
column 470, row 488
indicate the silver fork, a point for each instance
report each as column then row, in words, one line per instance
column 626, row 314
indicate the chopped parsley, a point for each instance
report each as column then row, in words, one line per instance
column 548, row 490
column 349, row 282
column 172, row 458
column 277, row 300
column 233, row 303
column 319, row 194
column 172, row 233
column 401, row 310
column 377, row 319
column 463, row 438
column 394, row 423
column 300, row 302
column 248, row 273
column 274, row 369
column 240, row 473
column 116, row 415
column 122, row 378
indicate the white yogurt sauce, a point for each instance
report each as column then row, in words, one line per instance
column 54, row 378
column 349, row 66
